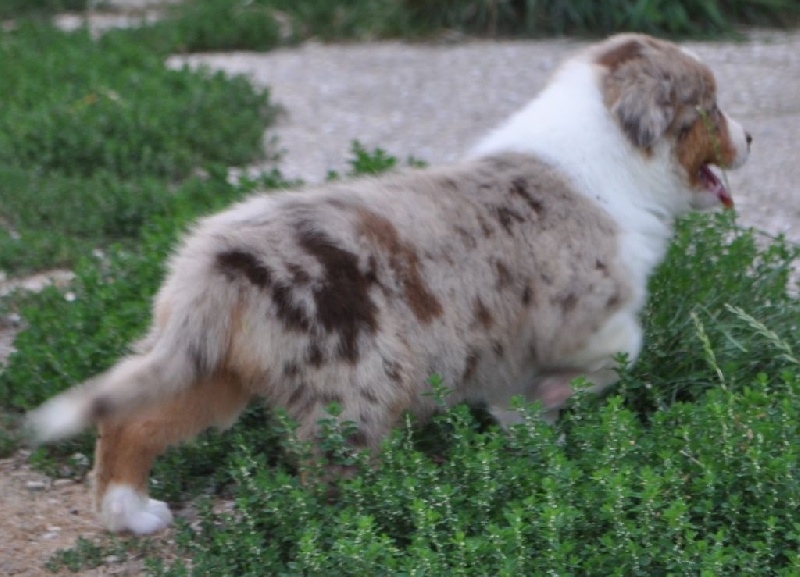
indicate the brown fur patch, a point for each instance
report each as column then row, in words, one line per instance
column 504, row 277
column 521, row 188
column 292, row 314
column 498, row 349
column 299, row 276
column 507, row 217
column 392, row 370
column 343, row 303
column 618, row 55
column 238, row 262
column 315, row 357
column 614, row 301
column 291, row 370
column 707, row 141
column 368, row 395
column 359, row 439
column 482, row 314
column 404, row 261
column 527, row 295
column 301, row 392
column 470, row 365
column 328, row 397
column 568, row 301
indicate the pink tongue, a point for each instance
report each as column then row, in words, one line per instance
column 715, row 186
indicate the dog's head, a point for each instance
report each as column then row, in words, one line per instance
column 659, row 92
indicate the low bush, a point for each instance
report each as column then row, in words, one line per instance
column 714, row 268
column 197, row 25
column 94, row 134
column 76, row 106
column 28, row 8
column 689, row 468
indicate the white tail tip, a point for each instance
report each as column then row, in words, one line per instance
column 60, row 417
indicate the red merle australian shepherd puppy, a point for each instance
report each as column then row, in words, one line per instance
column 508, row 274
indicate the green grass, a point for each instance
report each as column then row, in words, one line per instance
column 94, row 135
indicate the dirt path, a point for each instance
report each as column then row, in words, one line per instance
column 431, row 101
column 39, row 515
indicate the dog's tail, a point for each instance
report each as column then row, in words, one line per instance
column 172, row 361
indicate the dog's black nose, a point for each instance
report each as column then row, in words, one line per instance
column 748, row 137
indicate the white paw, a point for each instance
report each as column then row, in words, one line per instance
column 124, row 509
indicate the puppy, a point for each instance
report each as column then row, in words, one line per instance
column 508, row 274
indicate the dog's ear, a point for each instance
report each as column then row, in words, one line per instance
column 637, row 90
column 644, row 108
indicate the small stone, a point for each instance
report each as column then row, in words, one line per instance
column 80, row 459
column 111, row 559
column 63, row 482
column 36, row 485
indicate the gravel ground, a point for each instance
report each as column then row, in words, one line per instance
column 430, row 101
column 434, row 101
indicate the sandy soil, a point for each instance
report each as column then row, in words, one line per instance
column 431, row 101
column 39, row 515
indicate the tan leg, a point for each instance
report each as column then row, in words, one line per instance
column 126, row 450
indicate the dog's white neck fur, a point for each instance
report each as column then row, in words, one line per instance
column 640, row 192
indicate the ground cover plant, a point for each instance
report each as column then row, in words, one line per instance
column 94, row 133
column 689, row 467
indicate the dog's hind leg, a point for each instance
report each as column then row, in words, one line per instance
column 127, row 447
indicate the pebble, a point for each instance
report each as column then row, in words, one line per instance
column 36, row 485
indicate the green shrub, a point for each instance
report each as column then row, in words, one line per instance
column 93, row 135
column 713, row 264
column 50, row 218
column 17, row 8
column 644, row 483
column 196, row 25
column 705, row 489
column 201, row 25
column 78, row 106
